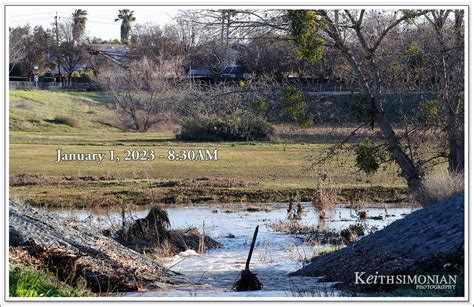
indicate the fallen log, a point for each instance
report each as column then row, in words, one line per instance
column 71, row 252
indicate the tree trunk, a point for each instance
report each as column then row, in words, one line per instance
column 455, row 144
column 407, row 167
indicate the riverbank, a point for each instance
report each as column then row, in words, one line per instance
column 111, row 192
column 75, row 254
column 211, row 273
column 426, row 242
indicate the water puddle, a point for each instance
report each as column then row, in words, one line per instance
column 275, row 255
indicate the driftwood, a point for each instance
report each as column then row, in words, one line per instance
column 248, row 281
column 71, row 251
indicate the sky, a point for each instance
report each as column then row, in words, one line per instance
column 100, row 19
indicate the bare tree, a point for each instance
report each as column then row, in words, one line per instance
column 71, row 55
column 144, row 93
column 16, row 47
column 158, row 44
column 30, row 46
column 448, row 26
column 363, row 56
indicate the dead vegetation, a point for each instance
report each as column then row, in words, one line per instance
column 206, row 182
column 109, row 191
column 152, row 236
column 67, row 120
column 73, row 252
column 314, row 234
column 324, row 199
column 438, row 187
column 26, row 179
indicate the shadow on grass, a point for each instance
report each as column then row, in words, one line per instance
column 160, row 140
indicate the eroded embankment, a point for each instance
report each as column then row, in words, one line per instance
column 427, row 241
column 71, row 252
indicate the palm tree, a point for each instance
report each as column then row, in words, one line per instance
column 127, row 18
column 79, row 24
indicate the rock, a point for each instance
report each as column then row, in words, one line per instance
column 48, row 241
column 422, row 242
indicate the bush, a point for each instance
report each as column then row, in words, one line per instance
column 438, row 187
column 239, row 126
column 66, row 120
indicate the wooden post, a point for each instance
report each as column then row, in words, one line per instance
column 247, row 265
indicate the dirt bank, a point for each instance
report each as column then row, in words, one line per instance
column 109, row 191
column 427, row 241
column 71, row 252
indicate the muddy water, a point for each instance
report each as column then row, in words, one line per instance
column 275, row 255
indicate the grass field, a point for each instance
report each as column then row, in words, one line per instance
column 246, row 171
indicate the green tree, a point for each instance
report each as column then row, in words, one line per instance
column 363, row 56
column 127, row 17
column 79, row 18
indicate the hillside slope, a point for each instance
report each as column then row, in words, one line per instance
column 37, row 111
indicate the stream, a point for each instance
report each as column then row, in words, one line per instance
column 275, row 255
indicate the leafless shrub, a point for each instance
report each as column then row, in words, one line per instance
column 144, row 93
column 324, row 198
column 67, row 120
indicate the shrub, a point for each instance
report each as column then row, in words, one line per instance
column 63, row 119
column 367, row 157
column 438, row 187
column 239, row 126
column 296, row 108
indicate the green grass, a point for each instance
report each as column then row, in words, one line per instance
column 271, row 165
column 29, row 282
column 272, row 170
column 33, row 110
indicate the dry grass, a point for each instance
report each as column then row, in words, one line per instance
column 289, row 226
column 67, row 120
column 438, row 187
column 161, row 253
column 324, row 198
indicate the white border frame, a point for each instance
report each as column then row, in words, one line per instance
column 215, row 4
